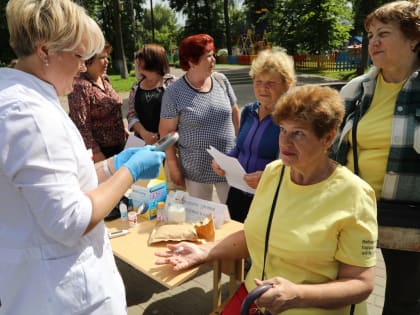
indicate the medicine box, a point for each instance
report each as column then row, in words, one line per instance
column 145, row 196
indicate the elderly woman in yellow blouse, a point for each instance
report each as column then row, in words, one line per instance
column 311, row 230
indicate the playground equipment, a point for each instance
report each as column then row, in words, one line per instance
column 251, row 44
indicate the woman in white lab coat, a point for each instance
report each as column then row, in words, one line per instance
column 55, row 256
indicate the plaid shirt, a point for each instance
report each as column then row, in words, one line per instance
column 402, row 178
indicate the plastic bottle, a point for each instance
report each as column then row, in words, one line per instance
column 161, row 213
column 176, row 212
column 123, row 211
column 132, row 218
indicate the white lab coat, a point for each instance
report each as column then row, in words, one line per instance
column 47, row 266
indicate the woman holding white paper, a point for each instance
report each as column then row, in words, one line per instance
column 257, row 143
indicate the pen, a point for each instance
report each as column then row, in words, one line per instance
column 117, row 233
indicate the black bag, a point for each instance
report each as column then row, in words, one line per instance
column 115, row 213
column 398, row 213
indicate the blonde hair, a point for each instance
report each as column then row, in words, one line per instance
column 268, row 61
column 322, row 107
column 59, row 25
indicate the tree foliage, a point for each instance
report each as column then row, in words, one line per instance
column 312, row 26
column 256, row 14
column 202, row 16
column 165, row 25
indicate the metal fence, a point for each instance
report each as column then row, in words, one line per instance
column 338, row 61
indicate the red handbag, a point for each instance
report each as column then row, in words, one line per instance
column 235, row 305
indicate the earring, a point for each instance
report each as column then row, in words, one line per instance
column 46, row 62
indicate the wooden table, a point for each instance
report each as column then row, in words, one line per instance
column 132, row 248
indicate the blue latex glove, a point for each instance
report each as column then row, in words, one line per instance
column 125, row 155
column 145, row 164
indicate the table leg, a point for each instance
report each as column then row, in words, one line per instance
column 217, row 285
column 236, row 273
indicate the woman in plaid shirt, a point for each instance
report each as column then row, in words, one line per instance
column 383, row 110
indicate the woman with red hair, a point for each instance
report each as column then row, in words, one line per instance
column 202, row 107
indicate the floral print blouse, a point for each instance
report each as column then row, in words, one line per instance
column 97, row 113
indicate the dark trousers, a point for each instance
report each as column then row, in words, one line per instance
column 238, row 203
column 402, row 292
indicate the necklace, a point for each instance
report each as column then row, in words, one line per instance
column 192, row 85
column 150, row 84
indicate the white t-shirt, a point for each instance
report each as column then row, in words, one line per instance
column 46, row 263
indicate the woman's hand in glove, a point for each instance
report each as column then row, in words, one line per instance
column 145, row 163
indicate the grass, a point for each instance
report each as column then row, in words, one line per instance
column 337, row 75
column 122, row 85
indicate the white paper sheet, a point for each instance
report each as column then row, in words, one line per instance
column 233, row 169
column 133, row 142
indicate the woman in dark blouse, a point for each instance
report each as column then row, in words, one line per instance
column 144, row 102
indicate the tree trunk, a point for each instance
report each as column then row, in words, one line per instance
column 227, row 26
column 209, row 15
column 152, row 20
column 133, row 25
column 365, row 55
column 119, row 61
column 367, row 7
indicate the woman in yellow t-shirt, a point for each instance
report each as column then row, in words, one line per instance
column 380, row 142
column 311, row 230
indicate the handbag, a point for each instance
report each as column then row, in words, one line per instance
column 115, row 212
column 398, row 213
column 395, row 213
column 258, row 291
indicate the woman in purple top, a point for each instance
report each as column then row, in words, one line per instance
column 257, row 141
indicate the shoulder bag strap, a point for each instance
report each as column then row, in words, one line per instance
column 270, row 218
column 354, row 140
column 220, row 81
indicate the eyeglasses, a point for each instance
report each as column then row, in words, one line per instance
column 266, row 84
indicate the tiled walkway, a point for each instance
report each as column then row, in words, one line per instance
column 147, row 297
column 376, row 299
